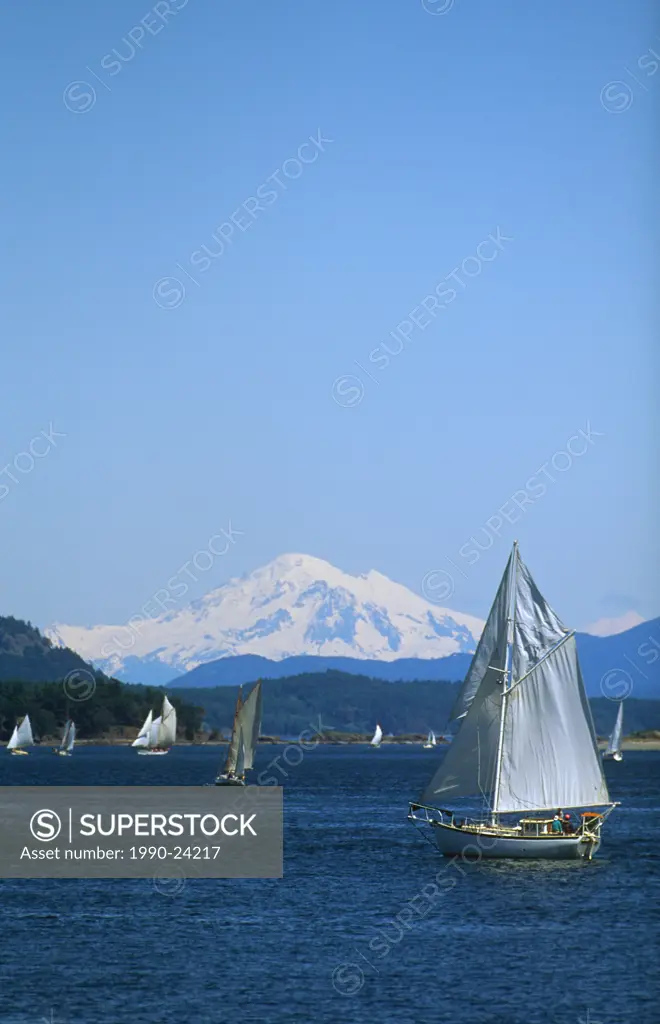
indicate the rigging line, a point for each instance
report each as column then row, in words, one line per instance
column 547, row 654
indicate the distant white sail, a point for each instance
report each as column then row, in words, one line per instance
column 377, row 737
column 144, row 735
column 614, row 744
column 21, row 736
column 431, row 739
column 166, row 733
column 526, row 739
column 68, row 737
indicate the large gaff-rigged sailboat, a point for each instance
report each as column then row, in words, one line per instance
column 614, row 743
column 525, row 746
column 244, row 739
column 21, row 737
column 65, row 748
column 157, row 735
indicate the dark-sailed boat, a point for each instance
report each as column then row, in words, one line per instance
column 244, row 738
column 525, row 751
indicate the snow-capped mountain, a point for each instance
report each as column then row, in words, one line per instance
column 295, row 605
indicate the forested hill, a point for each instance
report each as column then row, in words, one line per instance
column 28, row 656
column 111, row 710
column 51, row 684
column 350, row 703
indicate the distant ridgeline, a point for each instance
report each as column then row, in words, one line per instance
column 27, row 655
column 32, row 671
column 350, row 703
column 31, row 682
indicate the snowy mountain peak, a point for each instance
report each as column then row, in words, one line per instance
column 297, row 604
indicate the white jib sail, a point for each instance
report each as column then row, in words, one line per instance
column 614, row 744
column 166, row 736
column 21, row 736
column 377, row 737
column 144, row 734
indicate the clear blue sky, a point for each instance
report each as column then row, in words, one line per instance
column 444, row 127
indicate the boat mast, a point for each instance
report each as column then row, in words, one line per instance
column 506, row 677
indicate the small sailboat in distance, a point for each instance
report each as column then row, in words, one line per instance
column 613, row 750
column 430, row 741
column 21, row 737
column 245, row 733
column 158, row 735
column 377, row 737
column 65, row 748
column 525, row 745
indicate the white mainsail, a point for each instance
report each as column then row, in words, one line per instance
column 21, row 736
column 144, row 735
column 614, row 743
column 526, row 739
column 166, row 732
column 250, row 726
column 68, row 737
column 430, row 739
column 377, row 736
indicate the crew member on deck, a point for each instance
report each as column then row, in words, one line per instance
column 556, row 824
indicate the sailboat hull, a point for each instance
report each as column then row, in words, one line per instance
column 455, row 842
column 23, row 753
column 229, row 780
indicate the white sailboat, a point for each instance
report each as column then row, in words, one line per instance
column 430, row 741
column 65, row 748
column 377, row 737
column 158, row 735
column 21, row 737
column 244, row 738
column 614, row 743
column 525, row 746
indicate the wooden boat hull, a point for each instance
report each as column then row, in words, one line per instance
column 23, row 753
column 456, row 842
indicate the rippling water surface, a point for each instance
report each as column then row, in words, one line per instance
column 369, row 923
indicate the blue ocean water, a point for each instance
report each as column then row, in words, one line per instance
column 368, row 924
